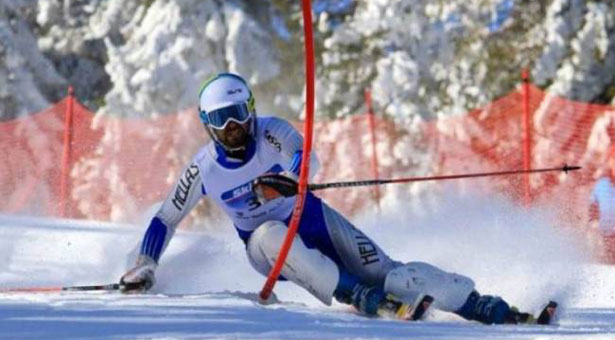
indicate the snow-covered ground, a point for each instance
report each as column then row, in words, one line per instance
column 206, row 288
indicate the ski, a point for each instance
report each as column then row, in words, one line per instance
column 547, row 315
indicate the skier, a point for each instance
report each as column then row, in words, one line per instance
column 250, row 169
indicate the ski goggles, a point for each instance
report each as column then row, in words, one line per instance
column 219, row 118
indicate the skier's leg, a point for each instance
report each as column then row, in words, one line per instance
column 311, row 269
column 368, row 274
column 363, row 264
column 354, row 251
column 308, row 268
column 452, row 292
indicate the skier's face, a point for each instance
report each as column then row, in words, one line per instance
column 234, row 135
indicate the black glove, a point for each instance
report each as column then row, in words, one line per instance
column 272, row 186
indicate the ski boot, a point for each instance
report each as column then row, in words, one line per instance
column 486, row 309
column 391, row 307
column 489, row 309
column 373, row 301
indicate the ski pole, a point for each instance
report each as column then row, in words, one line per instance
column 566, row 168
column 106, row 287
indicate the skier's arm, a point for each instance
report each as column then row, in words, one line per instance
column 289, row 142
column 284, row 138
column 186, row 193
column 180, row 201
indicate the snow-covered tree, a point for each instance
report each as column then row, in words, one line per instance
column 28, row 80
column 175, row 46
column 422, row 59
column 579, row 57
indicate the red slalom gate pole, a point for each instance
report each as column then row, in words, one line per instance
column 66, row 152
column 307, row 148
column 527, row 136
column 31, row 290
column 372, row 129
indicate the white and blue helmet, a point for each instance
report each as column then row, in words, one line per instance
column 224, row 98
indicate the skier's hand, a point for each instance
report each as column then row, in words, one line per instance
column 272, row 186
column 140, row 278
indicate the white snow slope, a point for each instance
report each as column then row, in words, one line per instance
column 206, row 288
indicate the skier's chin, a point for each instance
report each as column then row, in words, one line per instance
column 236, row 142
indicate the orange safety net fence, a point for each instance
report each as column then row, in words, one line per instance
column 31, row 152
column 562, row 132
column 121, row 167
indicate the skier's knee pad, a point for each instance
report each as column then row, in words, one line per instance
column 308, row 268
column 449, row 290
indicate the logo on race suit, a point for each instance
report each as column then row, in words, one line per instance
column 273, row 141
column 367, row 250
column 183, row 186
column 242, row 197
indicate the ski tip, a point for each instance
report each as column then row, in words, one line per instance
column 547, row 315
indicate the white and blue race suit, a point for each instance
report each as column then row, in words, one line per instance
column 276, row 147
